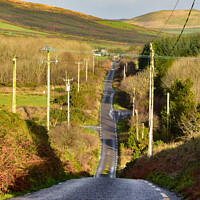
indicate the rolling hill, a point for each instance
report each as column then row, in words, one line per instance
column 47, row 21
column 158, row 19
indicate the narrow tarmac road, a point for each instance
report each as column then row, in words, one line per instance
column 104, row 185
column 108, row 133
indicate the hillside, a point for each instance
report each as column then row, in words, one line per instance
column 158, row 19
column 56, row 22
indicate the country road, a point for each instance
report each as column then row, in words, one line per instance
column 104, row 185
column 109, row 145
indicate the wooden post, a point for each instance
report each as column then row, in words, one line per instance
column 48, row 49
column 168, row 132
column 48, row 89
column 79, row 63
column 137, row 134
column 86, row 69
column 93, row 63
column 134, row 102
column 124, row 72
column 151, row 97
column 67, row 81
column 14, row 84
column 142, row 131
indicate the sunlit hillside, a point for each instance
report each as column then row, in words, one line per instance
column 158, row 19
column 56, row 22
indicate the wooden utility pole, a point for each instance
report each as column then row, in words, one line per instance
column 134, row 97
column 67, row 81
column 124, row 72
column 168, row 96
column 14, row 84
column 142, row 131
column 93, row 63
column 48, row 49
column 151, row 100
column 79, row 63
column 86, row 68
column 137, row 134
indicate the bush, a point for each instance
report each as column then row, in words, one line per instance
column 138, row 146
column 77, row 99
column 60, row 90
column 181, row 105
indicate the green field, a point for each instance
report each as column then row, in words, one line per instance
column 187, row 31
column 23, row 100
column 119, row 25
column 9, row 29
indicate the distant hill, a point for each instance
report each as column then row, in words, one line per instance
column 48, row 21
column 158, row 19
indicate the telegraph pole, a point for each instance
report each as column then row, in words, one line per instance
column 67, row 80
column 86, row 68
column 93, row 63
column 14, row 84
column 151, row 97
column 168, row 96
column 134, row 102
column 48, row 49
column 137, row 134
column 48, row 88
column 124, row 72
column 79, row 63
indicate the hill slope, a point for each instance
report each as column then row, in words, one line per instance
column 67, row 23
column 158, row 19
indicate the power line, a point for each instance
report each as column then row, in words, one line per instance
column 167, row 20
column 183, row 26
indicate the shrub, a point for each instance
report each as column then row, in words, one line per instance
column 138, row 146
column 77, row 99
column 60, row 90
column 181, row 105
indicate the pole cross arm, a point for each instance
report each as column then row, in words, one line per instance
column 48, row 48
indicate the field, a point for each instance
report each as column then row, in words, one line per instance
column 23, row 100
column 12, row 30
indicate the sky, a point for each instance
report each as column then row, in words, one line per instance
column 118, row 9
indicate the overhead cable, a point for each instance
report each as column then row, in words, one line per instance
column 183, row 26
column 167, row 20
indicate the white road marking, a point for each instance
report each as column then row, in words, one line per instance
column 157, row 189
column 164, row 195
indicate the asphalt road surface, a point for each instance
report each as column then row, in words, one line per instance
column 109, row 145
column 104, row 185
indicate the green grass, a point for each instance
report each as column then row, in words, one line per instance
column 122, row 125
column 9, row 29
column 23, row 100
column 17, row 28
column 102, row 45
column 102, row 58
column 187, row 31
column 119, row 25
